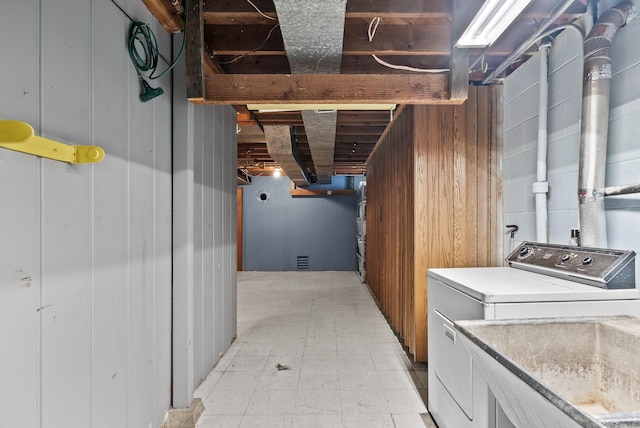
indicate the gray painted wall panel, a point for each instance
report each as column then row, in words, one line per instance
column 66, row 214
column 279, row 230
column 20, row 278
column 89, row 333
column 203, row 270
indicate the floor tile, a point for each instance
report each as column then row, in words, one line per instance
column 208, row 384
column 410, row 421
column 359, row 401
column 316, row 421
column 272, row 402
column 227, row 402
column 404, row 401
column 318, row 402
column 266, row 421
column 279, row 380
column 358, row 379
column 320, row 363
column 219, row 421
column 355, row 362
column 367, row 421
column 343, row 366
column 351, row 348
column 246, row 363
column 398, row 379
column 238, row 381
column 321, row 348
column 318, row 381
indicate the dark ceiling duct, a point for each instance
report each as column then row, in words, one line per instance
column 313, row 35
column 282, row 151
column 595, row 124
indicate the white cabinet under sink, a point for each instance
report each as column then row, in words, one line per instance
column 458, row 395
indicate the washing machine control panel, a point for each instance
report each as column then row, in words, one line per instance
column 600, row 267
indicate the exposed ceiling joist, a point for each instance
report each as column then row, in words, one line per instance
column 328, row 89
column 243, row 60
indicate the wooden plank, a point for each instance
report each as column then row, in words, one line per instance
column 355, row 8
column 166, row 14
column 461, row 210
column 418, row 40
column 484, row 172
column 496, row 223
column 397, row 40
column 233, row 11
column 471, row 165
column 194, row 52
column 326, row 89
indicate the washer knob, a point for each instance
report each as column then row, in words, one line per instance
column 565, row 257
column 524, row 251
column 587, row 261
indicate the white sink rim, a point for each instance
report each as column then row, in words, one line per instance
column 577, row 414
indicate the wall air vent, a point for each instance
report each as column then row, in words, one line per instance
column 302, row 263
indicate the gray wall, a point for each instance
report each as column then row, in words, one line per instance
column 565, row 98
column 284, row 227
column 204, row 216
column 85, row 250
column 85, row 256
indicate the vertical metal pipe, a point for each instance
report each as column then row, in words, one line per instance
column 541, row 186
column 595, row 124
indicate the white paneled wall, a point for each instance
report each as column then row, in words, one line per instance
column 205, row 253
column 85, row 277
column 86, row 250
column 565, row 104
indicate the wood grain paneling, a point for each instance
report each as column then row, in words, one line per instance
column 432, row 203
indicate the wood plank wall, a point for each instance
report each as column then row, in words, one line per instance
column 433, row 196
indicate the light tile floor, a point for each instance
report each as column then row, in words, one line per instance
column 313, row 350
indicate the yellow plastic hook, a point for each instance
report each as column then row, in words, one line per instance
column 19, row 136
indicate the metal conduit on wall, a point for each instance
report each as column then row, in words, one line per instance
column 595, row 124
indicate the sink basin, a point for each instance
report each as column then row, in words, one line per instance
column 560, row 372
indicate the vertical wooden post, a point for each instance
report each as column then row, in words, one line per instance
column 194, row 51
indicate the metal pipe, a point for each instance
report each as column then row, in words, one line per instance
column 524, row 46
column 595, row 124
column 622, row 190
column 541, row 186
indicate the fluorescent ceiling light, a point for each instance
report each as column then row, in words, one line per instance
column 493, row 18
column 265, row 108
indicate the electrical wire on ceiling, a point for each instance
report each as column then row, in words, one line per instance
column 252, row 50
column 263, row 43
column 260, row 12
column 143, row 51
column 373, row 26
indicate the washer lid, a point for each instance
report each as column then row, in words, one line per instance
column 508, row 285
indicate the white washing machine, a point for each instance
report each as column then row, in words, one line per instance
column 458, row 396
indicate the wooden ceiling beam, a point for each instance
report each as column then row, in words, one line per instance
column 327, row 89
column 217, row 9
column 234, row 12
column 166, row 14
column 227, row 40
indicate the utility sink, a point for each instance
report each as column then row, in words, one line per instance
column 560, row 372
